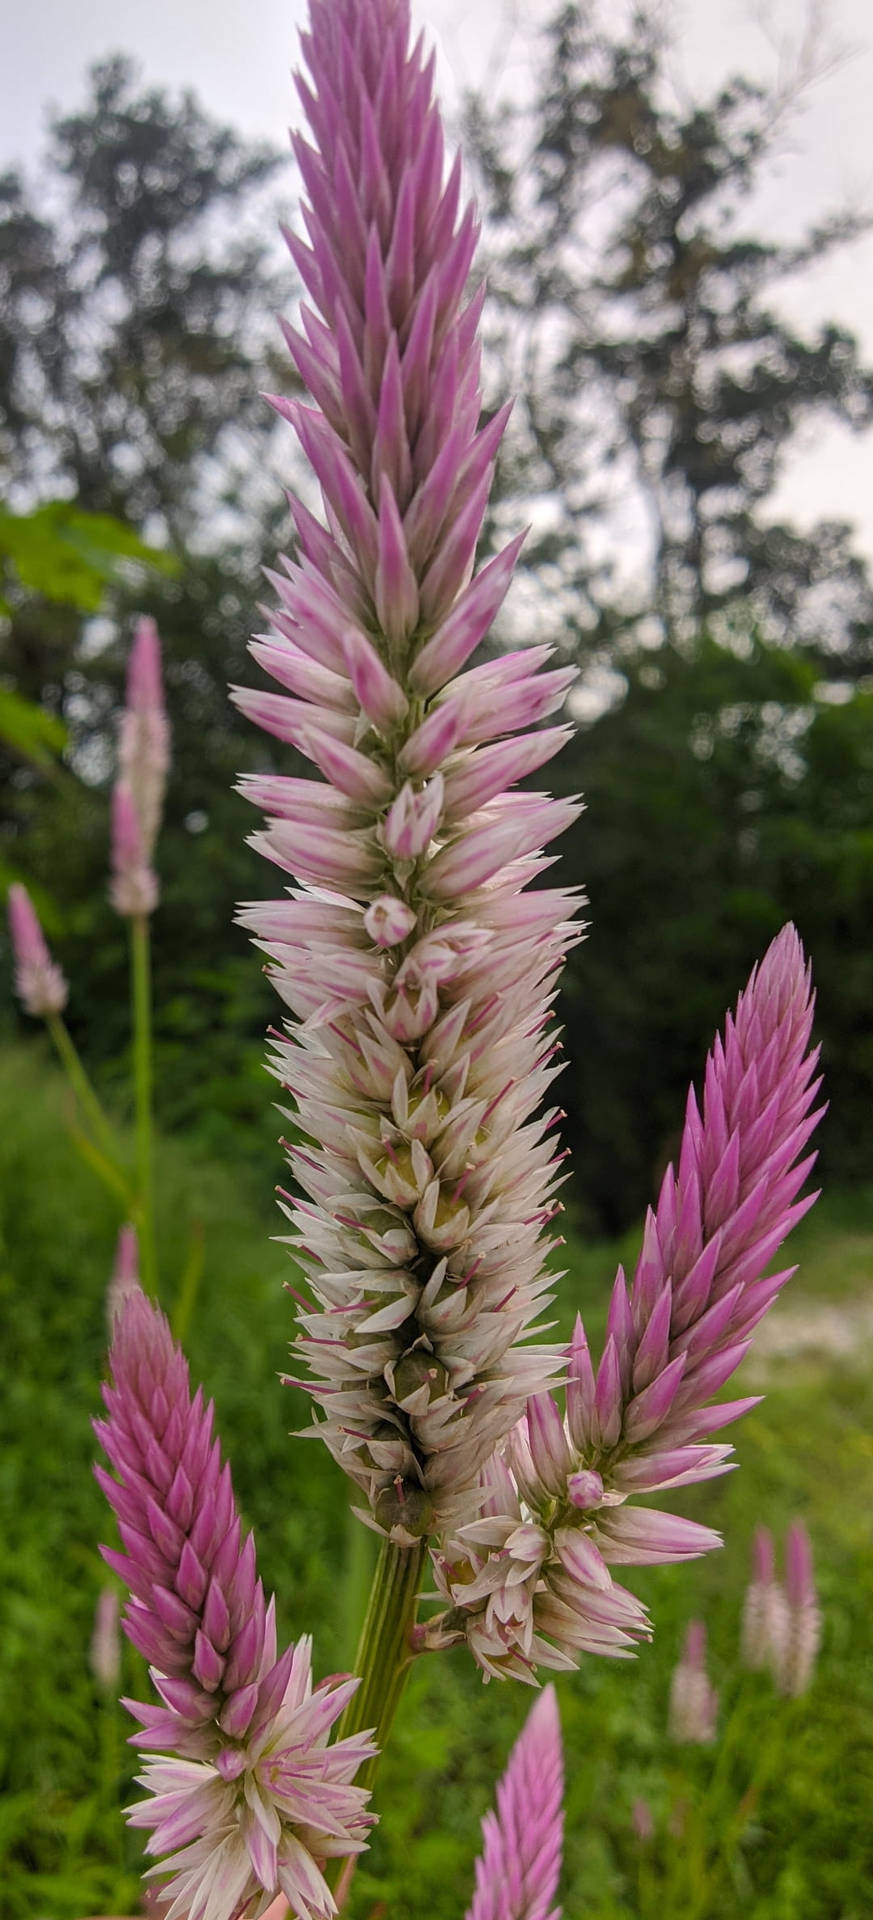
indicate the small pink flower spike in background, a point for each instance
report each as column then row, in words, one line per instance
column 105, row 1650
column 419, row 967
column 517, row 1873
column 144, row 747
column 244, row 1793
column 125, row 1275
column 39, row 983
column 134, row 888
column 642, row 1821
column 795, row 1666
column 530, row 1580
column 765, row 1609
column 693, row 1702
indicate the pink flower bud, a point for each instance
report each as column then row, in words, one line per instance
column 388, row 920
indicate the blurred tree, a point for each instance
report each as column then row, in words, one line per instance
column 661, row 384
column 136, row 324
column 136, row 318
column 731, row 790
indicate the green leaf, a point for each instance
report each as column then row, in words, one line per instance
column 29, row 730
column 71, row 556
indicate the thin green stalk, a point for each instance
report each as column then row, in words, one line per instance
column 189, row 1284
column 141, row 1005
column 383, row 1661
column 82, row 1088
column 359, row 1567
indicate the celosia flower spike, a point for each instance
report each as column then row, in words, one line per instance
column 639, row 1423
column 39, row 982
column 693, row 1702
column 134, row 887
column 421, row 972
column 125, row 1275
column 517, row 1874
column 797, row 1656
column 144, row 746
column 105, row 1649
column 765, row 1611
column 245, row 1795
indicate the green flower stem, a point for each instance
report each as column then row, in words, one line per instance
column 83, row 1090
column 383, row 1661
column 141, row 1003
column 384, row 1656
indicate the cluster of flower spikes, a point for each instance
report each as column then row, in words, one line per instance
column 782, row 1622
column 420, row 971
column 530, row 1581
column 245, row 1795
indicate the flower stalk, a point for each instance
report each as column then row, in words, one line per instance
column 89, row 1101
column 385, row 1652
column 141, row 1013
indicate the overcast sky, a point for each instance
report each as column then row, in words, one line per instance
column 237, row 55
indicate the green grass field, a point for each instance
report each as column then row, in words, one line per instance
column 771, row 1824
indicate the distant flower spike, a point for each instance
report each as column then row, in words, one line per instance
column 134, row 888
column 245, row 1795
column 693, row 1701
column 797, row 1655
column 125, row 1275
column 144, row 746
column 105, row 1649
column 517, row 1874
column 39, row 982
column 639, row 1423
column 421, row 971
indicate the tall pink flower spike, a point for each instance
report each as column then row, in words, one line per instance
column 144, row 746
column 419, row 969
column 530, row 1581
column 244, row 1794
column 517, row 1874
column 39, row 982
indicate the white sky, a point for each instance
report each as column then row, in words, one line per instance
column 237, row 55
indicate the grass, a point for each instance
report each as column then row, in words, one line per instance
column 774, row 1821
